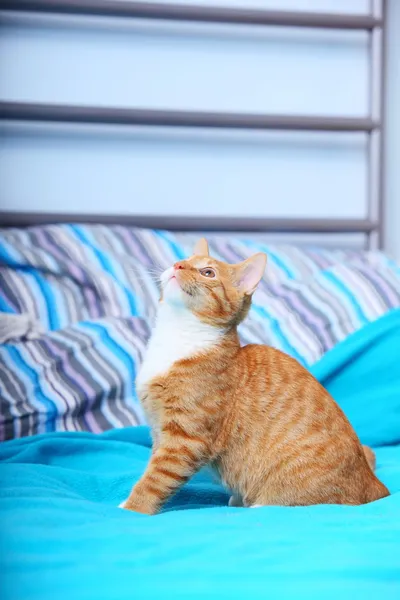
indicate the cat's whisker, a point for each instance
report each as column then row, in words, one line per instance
column 144, row 274
column 156, row 270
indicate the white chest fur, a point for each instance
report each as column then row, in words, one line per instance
column 177, row 334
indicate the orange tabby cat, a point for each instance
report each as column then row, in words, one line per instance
column 271, row 431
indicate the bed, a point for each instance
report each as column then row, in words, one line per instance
column 78, row 294
column 77, row 438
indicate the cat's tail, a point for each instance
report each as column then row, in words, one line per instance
column 370, row 456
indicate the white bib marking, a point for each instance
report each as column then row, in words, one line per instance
column 178, row 334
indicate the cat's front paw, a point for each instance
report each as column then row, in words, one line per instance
column 235, row 500
column 134, row 505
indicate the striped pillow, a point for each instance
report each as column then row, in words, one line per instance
column 285, row 261
column 63, row 274
column 78, row 378
column 310, row 298
column 94, row 291
column 307, row 317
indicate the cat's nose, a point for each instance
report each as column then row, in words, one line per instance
column 178, row 265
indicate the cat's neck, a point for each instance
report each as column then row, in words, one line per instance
column 178, row 334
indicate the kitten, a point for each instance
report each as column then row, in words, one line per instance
column 271, row 431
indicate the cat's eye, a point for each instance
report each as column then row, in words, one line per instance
column 207, row 272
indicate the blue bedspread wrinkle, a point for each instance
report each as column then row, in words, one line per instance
column 363, row 375
column 62, row 535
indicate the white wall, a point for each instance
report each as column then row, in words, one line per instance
column 392, row 171
column 95, row 61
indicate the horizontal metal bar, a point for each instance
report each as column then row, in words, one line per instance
column 194, row 13
column 54, row 113
column 189, row 223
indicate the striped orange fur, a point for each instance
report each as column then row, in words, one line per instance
column 270, row 430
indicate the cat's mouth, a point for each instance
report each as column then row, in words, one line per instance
column 173, row 278
column 167, row 277
column 184, row 288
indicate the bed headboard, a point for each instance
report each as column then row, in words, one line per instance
column 140, row 122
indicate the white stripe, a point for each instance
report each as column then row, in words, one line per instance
column 59, row 392
column 95, row 374
column 135, row 347
column 364, row 293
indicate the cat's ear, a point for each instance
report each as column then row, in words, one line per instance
column 249, row 272
column 201, row 248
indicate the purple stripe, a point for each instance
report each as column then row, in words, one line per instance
column 80, row 381
column 309, row 317
column 3, row 427
column 75, row 271
column 318, row 260
column 132, row 243
column 382, row 286
column 7, row 299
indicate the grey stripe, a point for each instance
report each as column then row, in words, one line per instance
column 107, row 372
column 6, row 416
column 9, row 291
column 17, row 392
column 133, row 347
column 86, row 283
column 57, row 375
column 373, row 278
column 303, row 316
column 337, row 308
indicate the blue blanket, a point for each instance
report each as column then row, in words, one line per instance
column 63, row 537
